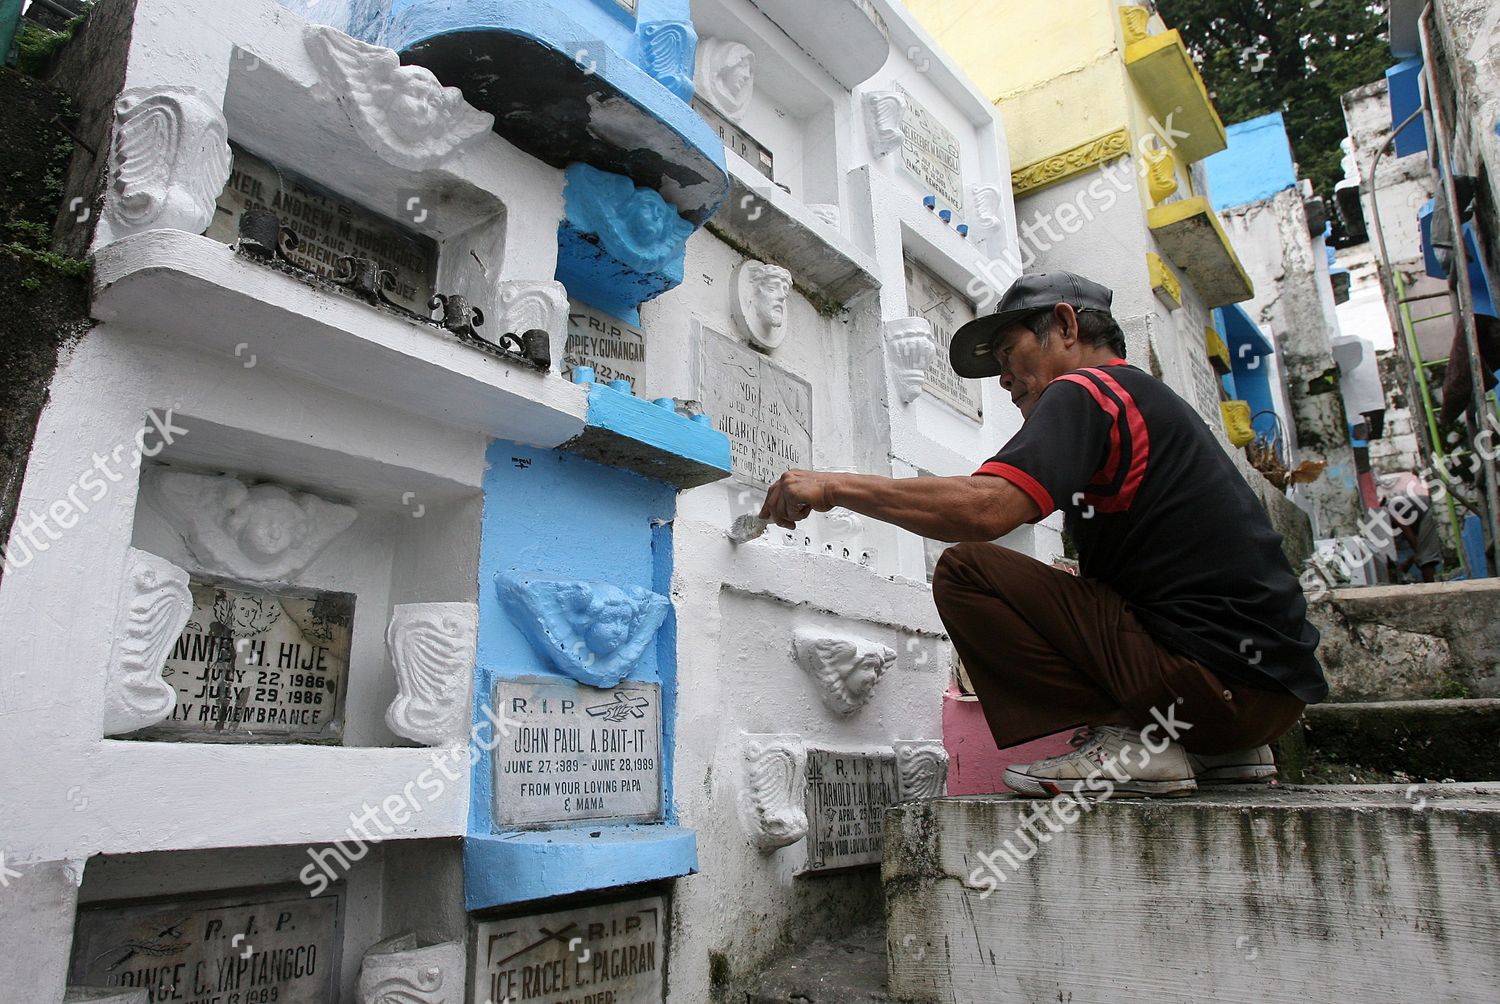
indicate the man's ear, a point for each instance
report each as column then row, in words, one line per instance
column 1067, row 324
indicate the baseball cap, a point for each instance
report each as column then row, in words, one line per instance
column 972, row 352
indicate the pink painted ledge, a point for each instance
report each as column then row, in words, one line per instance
column 974, row 762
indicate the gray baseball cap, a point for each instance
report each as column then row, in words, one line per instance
column 972, row 352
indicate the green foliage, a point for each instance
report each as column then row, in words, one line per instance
column 73, row 268
column 1297, row 57
column 35, row 45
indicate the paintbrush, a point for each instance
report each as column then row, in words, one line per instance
column 746, row 528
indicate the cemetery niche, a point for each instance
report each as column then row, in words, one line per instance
column 265, row 945
column 256, row 658
column 607, row 953
column 946, row 310
column 764, row 409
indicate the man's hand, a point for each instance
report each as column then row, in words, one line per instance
column 796, row 495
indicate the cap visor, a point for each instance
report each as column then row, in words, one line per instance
column 972, row 351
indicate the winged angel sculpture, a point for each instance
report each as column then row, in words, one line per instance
column 846, row 667
column 259, row 533
column 594, row 632
column 405, row 116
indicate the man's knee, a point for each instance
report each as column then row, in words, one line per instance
column 956, row 566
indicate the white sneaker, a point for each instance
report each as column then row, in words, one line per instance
column 1110, row 759
column 1241, row 767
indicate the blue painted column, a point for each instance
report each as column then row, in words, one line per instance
column 550, row 515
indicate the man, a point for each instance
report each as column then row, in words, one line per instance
column 1183, row 645
column 1406, row 509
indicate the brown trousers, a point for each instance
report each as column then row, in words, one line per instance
column 1048, row 651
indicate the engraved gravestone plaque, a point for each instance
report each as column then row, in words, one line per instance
column 765, row 410
column 267, row 945
column 573, row 752
column 946, row 308
column 328, row 227
column 612, row 953
column 616, row 350
column 847, row 795
column 259, row 666
column 737, row 139
column 930, row 153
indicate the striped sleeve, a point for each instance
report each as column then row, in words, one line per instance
column 1084, row 444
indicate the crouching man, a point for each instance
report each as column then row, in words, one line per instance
column 1186, row 619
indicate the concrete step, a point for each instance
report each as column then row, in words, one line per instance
column 848, row 970
column 1302, row 895
column 1388, row 643
column 1394, row 742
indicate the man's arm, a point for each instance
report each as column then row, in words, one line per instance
column 947, row 509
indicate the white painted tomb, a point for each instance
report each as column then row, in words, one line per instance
column 330, row 470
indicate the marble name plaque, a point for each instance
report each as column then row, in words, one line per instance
column 258, row 666
column 847, row 795
column 608, row 954
column 328, row 227
column 929, row 297
column 765, row 410
column 930, row 153
column 737, row 139
column 274, row 945
column 574, row 753
column 616, row 350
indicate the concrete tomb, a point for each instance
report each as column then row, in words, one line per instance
column 613, row 349
column 765, row 410
column 328, row 228
column 930, row 153
column 275, row 945
column 947, row 310
column 601, row 954
column 847, row 795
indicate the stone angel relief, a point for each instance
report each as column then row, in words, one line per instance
column 254, row 533
column 845, row 667
column 405, row 116
column 594, row 632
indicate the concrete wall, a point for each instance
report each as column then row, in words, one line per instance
column 1292, row 300
column 1035, row 62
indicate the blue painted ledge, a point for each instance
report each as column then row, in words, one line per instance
column 636, row 435
column 505, row 868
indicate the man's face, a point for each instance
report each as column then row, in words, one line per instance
column 1025, row 366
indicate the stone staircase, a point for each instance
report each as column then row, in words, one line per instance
column 1360, row 878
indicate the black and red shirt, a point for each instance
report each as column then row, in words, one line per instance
column 1160, row 513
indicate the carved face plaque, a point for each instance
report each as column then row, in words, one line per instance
column 845, row 667
column 760, row 302
column 726, row 75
